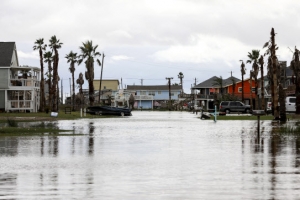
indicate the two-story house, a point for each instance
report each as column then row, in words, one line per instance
column 19, row 85
column 150, row 96
column 204, row 92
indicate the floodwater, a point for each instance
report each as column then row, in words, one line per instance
column 152, row 155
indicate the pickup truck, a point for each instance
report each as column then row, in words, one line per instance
column 234, row 106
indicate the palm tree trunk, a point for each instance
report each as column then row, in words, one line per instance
column 55, row 81
column 256, row 93
column 42, row 84
column 251, row 90
column 275, row 79
column 73, row 98
column 261, row 61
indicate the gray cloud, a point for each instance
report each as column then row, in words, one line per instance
column 162, row 38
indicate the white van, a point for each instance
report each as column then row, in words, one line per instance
column 290, row 104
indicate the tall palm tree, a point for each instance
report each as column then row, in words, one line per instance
column 49, row 59
column 243, row 71
column 55, row 44
column 219, row 82
column 89, row 54
column 72, row 59
column 250, row 80
column 233, row 85
column 253, row 58
column 261, row 62
column 181, row 76
column 273, row 68
column 40, row 46
column 80, row 82
column 295, row 66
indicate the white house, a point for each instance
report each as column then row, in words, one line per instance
column 19, row 85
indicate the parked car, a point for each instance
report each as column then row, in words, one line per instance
column 234, row 106
column 290, row 104
column 107, row 110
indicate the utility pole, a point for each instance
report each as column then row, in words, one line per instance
column 142, row 81
column 101, row 76
column 169, row 82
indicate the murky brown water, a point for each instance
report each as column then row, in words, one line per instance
column 152, row 155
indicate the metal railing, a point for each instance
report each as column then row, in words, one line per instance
column 19, row 104
column 143, row 97
column 24, row 83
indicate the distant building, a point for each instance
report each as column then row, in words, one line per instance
column 149, row 96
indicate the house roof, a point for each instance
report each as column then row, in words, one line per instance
column 210, row 83
column 153, row 87
column 6, row 52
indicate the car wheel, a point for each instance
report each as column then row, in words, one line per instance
column 227, row 111
column 122, row 114
column 247, row 111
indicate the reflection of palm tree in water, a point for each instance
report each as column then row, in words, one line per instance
column 91, row 137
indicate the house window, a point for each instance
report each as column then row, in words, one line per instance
column 172, row 93
column 152, row 93
column 104, row 87
column 158, row 92
column 143, row 92
column 240, row 89
column 253, row 89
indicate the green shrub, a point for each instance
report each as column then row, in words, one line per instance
column 12, row 123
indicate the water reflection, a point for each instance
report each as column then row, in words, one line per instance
column 152, row 155
column 91, row 138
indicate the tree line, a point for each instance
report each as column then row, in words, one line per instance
column 88, row 55
column 274, row 77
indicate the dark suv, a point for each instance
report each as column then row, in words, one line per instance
column 234, row 106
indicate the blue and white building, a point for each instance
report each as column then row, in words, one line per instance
column 151, row 96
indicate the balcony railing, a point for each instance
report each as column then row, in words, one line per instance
column 19, row 104
column 196, row 96
column 143, row 97
column 24, row 83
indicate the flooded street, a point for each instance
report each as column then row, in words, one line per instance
column 152, row 155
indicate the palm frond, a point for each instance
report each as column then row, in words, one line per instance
column 266, row 44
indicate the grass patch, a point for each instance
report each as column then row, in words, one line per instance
column 223, row 117
column 46, row 117
column 288, row 130
column 33, row 131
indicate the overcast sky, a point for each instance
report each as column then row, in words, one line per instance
column 153, row 39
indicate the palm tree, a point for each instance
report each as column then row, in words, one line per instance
column 253, row 58
column 72, row 59
column 295, row 66
column 181, row 76
column 49, row 59
column 273, row 67
column 243, row 71
column 89, row 53
column 250, row 80
column 233, row 85
column 40, row 46
column 55, row 44
column 261, row 62
column 219, row 82
column 80, row 82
